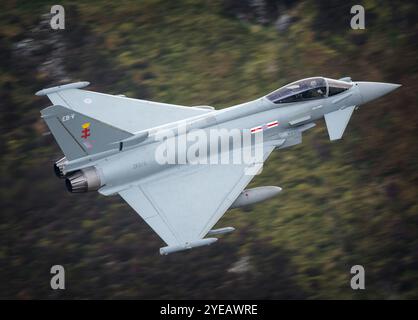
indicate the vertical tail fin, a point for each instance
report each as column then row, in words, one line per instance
column 79, row 135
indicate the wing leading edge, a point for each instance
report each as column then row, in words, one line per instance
column 131, row 115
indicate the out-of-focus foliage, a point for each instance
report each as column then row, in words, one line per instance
column 345, row 203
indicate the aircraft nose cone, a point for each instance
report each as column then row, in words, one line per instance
column 372, row 90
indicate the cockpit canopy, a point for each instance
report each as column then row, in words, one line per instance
column 308, row 89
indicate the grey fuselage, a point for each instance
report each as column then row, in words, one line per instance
column 118, row 169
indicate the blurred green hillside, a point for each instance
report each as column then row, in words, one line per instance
column 344, row 203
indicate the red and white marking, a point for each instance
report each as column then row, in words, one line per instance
column 272, row 124
column 256, row 129
column 265, row 126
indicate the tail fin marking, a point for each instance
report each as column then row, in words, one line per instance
column 79, row 135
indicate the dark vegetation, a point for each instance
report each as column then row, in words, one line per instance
column 345, row 203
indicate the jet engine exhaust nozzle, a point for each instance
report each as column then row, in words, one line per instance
column 83, row 180
column 59, row 168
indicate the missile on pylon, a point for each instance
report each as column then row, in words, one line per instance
column 188, row 245
column 255, row 195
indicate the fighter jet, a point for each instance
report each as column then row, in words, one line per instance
column 110, row 143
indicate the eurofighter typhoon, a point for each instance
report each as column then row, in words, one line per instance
column 181, row 168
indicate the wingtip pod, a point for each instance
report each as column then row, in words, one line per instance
column 74, row 85
column 190, row 245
